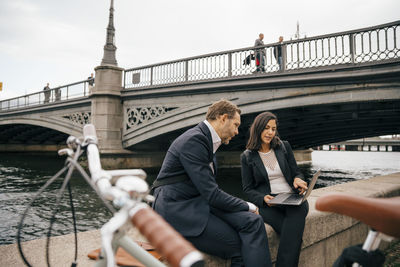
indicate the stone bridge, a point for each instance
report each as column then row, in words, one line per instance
column 329, row 88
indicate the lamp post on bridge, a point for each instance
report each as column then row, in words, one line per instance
column 107, row 108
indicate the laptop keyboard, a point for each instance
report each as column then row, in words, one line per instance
column 293, row 198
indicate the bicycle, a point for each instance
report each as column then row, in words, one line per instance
column 128, row 192
column 381, row 214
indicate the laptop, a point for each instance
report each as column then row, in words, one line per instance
column 295, row 198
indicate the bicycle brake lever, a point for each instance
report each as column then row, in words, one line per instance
column 66, row 151
column 73, row 142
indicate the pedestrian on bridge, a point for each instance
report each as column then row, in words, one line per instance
column 269, row 168
column 260, row 53
column 90, row 83
column 47, row 93
column 188, row 197
column 57, row 94
column 278, row 52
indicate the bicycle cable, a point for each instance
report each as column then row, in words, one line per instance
column 47, row 184
column 71, row 203
column 58, row 200
column 73, row 164
column 70, row 165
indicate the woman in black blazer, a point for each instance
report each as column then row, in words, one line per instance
column 269, row 168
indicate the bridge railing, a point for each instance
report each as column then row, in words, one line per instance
column 358, row 46
column 54, row 95
column 351, row 47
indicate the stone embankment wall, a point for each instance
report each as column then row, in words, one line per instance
column 324, row 238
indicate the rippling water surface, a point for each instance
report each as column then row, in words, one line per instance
column 21, row 176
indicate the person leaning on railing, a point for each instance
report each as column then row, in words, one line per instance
column 90, row 82
column 47, row 93
column 260, row 53
column 57, row 93
column 278, row 52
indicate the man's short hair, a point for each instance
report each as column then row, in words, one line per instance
column 222, row 107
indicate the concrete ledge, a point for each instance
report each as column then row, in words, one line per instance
column 325, row 234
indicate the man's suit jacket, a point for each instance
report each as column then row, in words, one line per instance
column 255, row 179
column 186, row 205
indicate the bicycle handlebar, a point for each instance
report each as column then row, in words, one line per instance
column 169, row 243
column 382, row 214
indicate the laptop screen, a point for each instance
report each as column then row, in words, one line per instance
column 312, row 183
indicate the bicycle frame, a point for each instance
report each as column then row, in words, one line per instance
column 113, row 241
column 372, row 242
column 128, row 189
column 114, row 232
column 381, row 214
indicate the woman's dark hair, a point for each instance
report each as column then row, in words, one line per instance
column 256, row 129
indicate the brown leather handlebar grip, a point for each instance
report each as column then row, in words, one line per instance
column 382, row 214
column 168, row 242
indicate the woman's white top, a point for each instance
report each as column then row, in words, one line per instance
column 275, row 175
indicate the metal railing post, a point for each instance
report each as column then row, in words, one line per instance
column 352, row 47
column 151, row 76
column 229, row 64
column 186, row 70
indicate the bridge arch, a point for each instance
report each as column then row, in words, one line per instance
column 314, row 110
column 44, row 124
column 64, row 127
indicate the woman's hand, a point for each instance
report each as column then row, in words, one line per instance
column 300, row 184
column 268, row 198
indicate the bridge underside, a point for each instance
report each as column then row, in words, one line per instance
column 310, row 126
column 25, row 134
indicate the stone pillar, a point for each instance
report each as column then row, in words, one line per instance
column 107, row 110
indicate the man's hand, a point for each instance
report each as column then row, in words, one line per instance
column 268, row 198
column 253, row 208
column 300, row 184
column 256, row 211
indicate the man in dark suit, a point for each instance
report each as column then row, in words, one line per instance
column 188, row 197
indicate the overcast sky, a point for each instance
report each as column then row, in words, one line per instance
column 61, row 42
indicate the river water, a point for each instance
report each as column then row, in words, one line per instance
column 21, row 176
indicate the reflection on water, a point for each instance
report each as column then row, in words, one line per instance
column 21, row 176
